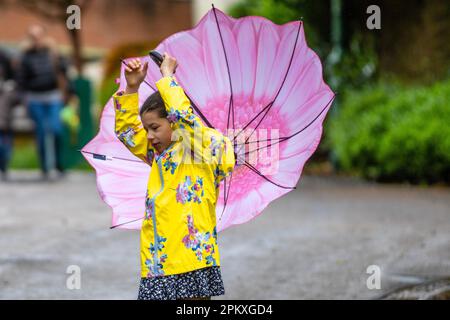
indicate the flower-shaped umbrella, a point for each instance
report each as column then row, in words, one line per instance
column 254, row 81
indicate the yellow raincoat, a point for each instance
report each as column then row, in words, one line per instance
column 179, row 229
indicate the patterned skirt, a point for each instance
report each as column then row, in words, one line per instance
column 201, row 283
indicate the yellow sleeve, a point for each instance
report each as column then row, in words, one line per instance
column 179, row 110
column 177, row 104
column 128, row 126
column 186, row 124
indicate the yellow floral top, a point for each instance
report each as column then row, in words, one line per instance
column 179, row 229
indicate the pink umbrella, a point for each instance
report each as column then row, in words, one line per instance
column 255, row 81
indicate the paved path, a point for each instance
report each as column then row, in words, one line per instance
column 314, row 243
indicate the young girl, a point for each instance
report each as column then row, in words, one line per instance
column 179, row 253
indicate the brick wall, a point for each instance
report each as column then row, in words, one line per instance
column 106, row 23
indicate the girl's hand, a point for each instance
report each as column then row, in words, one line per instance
column 134, row 74
column 168, row 66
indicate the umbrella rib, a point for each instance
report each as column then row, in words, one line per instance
column 199, row 112
column 231, row 103
column 230, row 108
column 279, row 138
column 269, row 106
column 105, row 156
column 118, row 225
column 296, row 133
column 227, row 192
column 190, row 100
column 123, row 61
column 254, row 141
column 248, row 165
column 256, row 116
column 282, row 83
column 326, row 106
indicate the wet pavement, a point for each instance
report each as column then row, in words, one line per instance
column 317, row 242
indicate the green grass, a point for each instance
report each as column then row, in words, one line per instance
column 25, row 156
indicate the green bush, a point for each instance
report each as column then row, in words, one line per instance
column 389, row 133
column 107, row 89
column 112, row 65
column 283, row 11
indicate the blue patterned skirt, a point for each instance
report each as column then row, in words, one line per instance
column 201, row 283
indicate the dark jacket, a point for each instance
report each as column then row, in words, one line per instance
column 6, row 92
column 6, row 72
column 39, row 70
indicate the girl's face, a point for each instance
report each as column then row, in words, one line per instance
column 159, row 131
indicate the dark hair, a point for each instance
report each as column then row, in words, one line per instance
column 154, row 103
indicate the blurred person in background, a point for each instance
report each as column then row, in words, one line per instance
column 43, row 83
column 6, row 103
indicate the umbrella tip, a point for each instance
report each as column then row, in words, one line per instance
column 212, row 5
column 123, row 61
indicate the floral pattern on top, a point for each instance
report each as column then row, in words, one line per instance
column 159, row 246
column 174, row 115
column 198, row 242
column 118, row 106
column 215, row 146
column 190, row 191
column 173, row 82
column 168, row 163
column 155, row 263
column 127, row 137
column 182, row 117
column 219, row 175
column 149, row 207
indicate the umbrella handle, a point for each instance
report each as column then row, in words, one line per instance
column 156, row 57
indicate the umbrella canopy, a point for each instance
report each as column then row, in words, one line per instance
column 254, row 81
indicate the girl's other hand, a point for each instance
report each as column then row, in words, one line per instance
column 134, row 74
column 168, row 66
